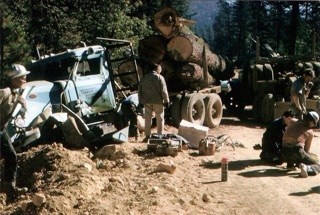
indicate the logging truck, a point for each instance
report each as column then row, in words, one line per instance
column 192, row 71
column 265, row 84
column 79, row 89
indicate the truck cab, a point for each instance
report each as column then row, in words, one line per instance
column 79, row 83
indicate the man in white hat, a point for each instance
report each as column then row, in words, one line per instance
column 297, row 141
column 9, row 97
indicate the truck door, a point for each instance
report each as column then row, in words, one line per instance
column 93, row 85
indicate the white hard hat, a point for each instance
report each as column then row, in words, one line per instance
column 17, row 71
column 315, row 116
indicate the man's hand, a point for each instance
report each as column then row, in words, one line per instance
column 310, row 85
column 22, row 102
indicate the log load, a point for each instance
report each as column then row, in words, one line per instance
column 169, row 22
column 152, row 49
column 190, row 49
column 181, row 54
column 126, row 68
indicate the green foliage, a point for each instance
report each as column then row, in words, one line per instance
column 15, row 39
column 288, row 31
column 53, row 26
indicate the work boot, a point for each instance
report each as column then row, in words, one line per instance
column 12, row 191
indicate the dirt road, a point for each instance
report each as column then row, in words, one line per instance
column 74, row 184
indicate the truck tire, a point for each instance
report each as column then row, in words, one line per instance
column 175, row 110
column 193, row 108
column 213, row 110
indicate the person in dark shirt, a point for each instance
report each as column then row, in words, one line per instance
column 272, row 138
column 130, row 110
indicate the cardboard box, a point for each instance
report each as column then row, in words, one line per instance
column 192, row 132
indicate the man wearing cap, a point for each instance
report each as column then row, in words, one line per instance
column 297, row 140
column 300, row 90
column 153, row 96
column 9, row 97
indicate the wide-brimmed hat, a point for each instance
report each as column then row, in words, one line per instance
column 17, row 71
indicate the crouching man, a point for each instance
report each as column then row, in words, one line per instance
column 272, row 138
column 297, row 141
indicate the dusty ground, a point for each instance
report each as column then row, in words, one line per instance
column 72, row 183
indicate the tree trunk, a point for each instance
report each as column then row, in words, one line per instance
column 189, row 48
column 152, row 49
column 128, row 77
column 165, row 22
column 192, row 72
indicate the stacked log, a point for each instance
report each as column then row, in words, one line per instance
column 187, row 61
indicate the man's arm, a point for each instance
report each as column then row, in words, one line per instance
column 296, row 102
column 165, row 94
column 307, row 145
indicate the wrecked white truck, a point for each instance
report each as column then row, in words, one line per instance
column 78, row 90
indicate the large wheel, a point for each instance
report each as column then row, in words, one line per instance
column 175, row 111
column 193, row 108
column 213, row 110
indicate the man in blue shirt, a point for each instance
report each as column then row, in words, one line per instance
column 130, row 109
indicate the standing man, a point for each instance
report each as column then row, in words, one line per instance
column 9, row 97
column 153, row 95
column 297, row 140
column 300, row 90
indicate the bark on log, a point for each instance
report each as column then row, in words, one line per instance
column 152, row 49
column 169, row 23
column 189, row 48
column 168, row 70
column 165, row 22
column 180, row 76
column 129, row 79
column 191, row 72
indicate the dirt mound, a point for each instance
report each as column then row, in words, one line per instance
column 127, row 179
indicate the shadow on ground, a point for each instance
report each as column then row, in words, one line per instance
column 311, row 191
column 244, row 118
column 238, row 165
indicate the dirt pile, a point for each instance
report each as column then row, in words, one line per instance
column 127, row 180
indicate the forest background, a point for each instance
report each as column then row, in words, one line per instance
column 229, row 27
